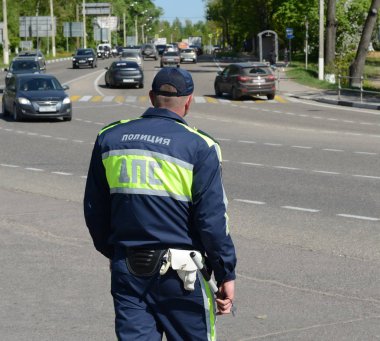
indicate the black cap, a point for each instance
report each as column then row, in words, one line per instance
column 176, row 77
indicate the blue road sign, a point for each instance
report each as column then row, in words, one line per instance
column 289, row 33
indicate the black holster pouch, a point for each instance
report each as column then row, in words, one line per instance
column 144, row 262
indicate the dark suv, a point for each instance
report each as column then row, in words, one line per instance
column 149, row 51
column 85, row 57
column 24, row 65
column 241, row 79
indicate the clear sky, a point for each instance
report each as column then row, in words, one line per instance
column 193, row 10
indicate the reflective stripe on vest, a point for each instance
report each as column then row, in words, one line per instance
column 137, row 171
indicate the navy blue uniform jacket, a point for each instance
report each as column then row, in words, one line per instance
column 154, row 182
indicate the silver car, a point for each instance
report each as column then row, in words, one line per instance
column 132, row 56
column 188, row 55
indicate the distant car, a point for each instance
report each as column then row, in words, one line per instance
column 21, row 65
column 161, row 48
column 197, row 49
column 36, row 96
column 149, row 51
column 132, row 56
column 240, row 79
column 188, row 55
column 122, row 73
column 170, row 58
column 85, row 57
column 34, row 53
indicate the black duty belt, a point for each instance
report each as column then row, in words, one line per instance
column 144, row 262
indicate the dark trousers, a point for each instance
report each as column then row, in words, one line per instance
column 147, row 307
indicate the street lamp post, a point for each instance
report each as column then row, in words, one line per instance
column 5, row 35
column 321, row 41
column 52, row 28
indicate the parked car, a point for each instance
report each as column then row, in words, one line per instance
column 21, row 65
column 132, row 56
column 34, row 53
column 149, row 51
column 188, row 55
column 170, row 58
column 36, row 96
column 161, row 48
column 240, row 79
column 124, row 73
column 85, row 57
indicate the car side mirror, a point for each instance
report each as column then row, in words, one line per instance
column 65, row 87
column 219, row 73
column 106, row 67
column 6, row 69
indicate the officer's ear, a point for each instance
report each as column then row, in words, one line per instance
column 152, row 97
column 188, row 102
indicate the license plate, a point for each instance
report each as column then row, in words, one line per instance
column 82, row 61
column 258, row 81
column 188, row 59
column 170, row 60
column 47, row 108
column 128, row 80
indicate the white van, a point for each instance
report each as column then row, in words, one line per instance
column 101, row 48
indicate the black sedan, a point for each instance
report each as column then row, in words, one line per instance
column 123, row 73
column 85, row 57
column 36, row 96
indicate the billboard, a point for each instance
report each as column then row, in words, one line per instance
column 101, row 8
column 36, row 27
column 72, row 29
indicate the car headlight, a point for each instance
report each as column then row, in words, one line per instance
column 9, row 75
column 24, row 101
column 66, row 100
column 74, row 59
column 90, row 59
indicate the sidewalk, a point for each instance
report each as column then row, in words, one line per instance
column 288, row 87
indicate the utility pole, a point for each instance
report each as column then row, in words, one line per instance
column 321, row 61
column 84, row 24
column 124, row 29
column 306, row 42
column 5, row 35
column 52, row 27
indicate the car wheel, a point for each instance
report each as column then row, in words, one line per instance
column 92, row 65
column 141, row 86
column 234, row 94
column 4, row 110
column 218, row 93
column 270, row 96
column 16, row 116
column 67, row 118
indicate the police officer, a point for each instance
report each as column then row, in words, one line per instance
column 154, row 193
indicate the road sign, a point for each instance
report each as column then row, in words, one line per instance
column 289, row 33
column 72, row 29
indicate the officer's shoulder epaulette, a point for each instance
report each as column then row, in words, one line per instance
column 201, row 132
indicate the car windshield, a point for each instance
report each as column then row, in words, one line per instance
column 125, row 65
column 256, row 71
column 40, row 84
column 24, row 65
column 129, row 54
column 187, row 50
column 84, row 52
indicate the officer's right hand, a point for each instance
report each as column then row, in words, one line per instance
column 225, row 297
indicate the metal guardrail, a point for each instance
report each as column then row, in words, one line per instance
column 360, row 89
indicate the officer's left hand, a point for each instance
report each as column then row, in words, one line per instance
column 225, row 297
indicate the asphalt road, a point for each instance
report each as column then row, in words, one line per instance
column 303, row 184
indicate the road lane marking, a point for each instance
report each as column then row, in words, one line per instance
column 295, row 208
column 34, row 169
column 250, row 201
column 358, row 217
column 325, row 172
column 366, row 176
column 9, row 166
column 62, row 173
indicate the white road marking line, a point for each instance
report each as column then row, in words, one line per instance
column 290, row 113
column 366, row 176
column 62, row 173
column 8, row 165
column 221, row 139
column 32, row 134
column 85, row 98
column 325, row 172
column 348, row 121
column 242, row 141
column 284, row 167
column 300, row 209
column 46, row 136
column 332, row 150
column 34, row 169
column 224, row 101
column 83, row 176
column 365, row 153
column 358, row 217
column 250, row 201
column 199, row 99
column 61, row 138
column 302, row 147
column 272, row 144
column 251, row 164
column 130, row 99
column 79, row 141
column 108, row 98
column 332, row 119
